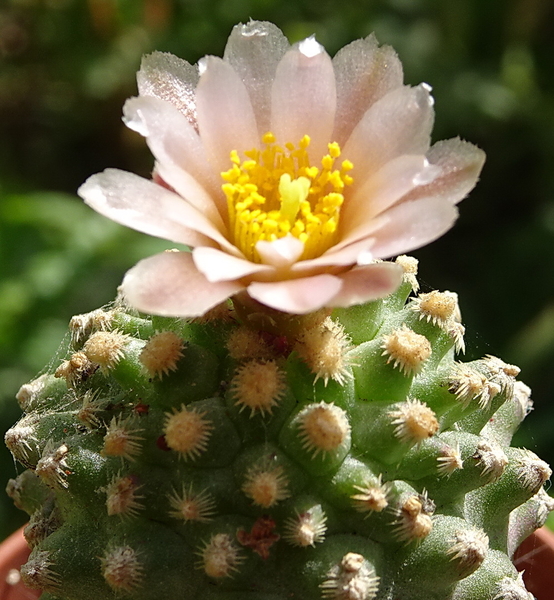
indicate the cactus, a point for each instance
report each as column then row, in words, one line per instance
column 258, row 455
column 277, row 415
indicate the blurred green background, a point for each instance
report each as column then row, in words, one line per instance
column 66, row 67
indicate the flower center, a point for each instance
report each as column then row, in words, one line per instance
column 275, row 192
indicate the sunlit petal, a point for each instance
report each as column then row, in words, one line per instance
column 305, row 72
column 169, row 284
column 363, row 284
column 225, row 116
column 254, row 51
column 221, row 266
column 299, row 296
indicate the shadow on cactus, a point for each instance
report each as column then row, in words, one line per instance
column 278, row 414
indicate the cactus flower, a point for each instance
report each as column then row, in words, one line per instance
column 289, row 174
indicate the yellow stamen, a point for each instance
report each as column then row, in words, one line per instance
column 276, row 192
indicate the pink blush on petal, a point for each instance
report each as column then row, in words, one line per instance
column 298, row 296
column 363, row 284
column 169, row 284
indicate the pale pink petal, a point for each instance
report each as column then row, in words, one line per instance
column 225, row 116
column 399, row 123
column 460, row 164
column 140, row 204
column 169, row 284
column 280, row 253
column 173, row 79
column 412, row 225
column 364, row 284
column 365, row 72
column 148, row 207
column 299, row 296
column 359, row 252
column 254, row 50
column 362, row 234
column 179, row 152
column 304, row 97
column 220, row 266
column 383, row 189
column 211, row 205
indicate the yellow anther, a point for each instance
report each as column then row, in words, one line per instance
column 335, row 179
column 334, row 149
column 268, row 138
column 298, row 198
column 347, row 165
column 327, row 162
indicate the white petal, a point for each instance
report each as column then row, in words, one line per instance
column 220, row 266
column 365, row 72
column 364, row 284
column 254, row 50
column 412, row 225
column 179, row 152
column 460, row 164
column 304, row 99
column 169, row 284
column 148, row 207
column 298, row 296
column 225, row 116
column 173, row 79
column 383, row 189
column 337, row 257
column 399, row 123
column 280, row 253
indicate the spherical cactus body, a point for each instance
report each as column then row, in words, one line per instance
column 255, row 455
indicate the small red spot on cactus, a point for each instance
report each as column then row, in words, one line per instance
column 279, row 343
column 162, row 444
column 261, row 536
column 141, row 409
